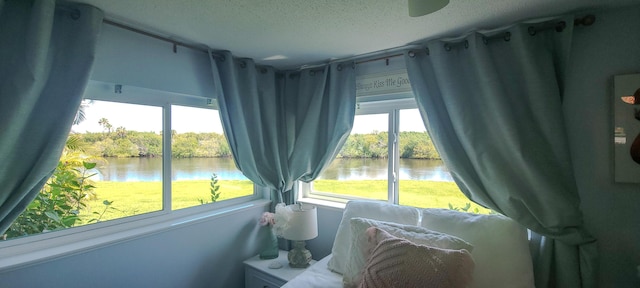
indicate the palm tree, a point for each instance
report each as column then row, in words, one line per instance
column 104, row 122
column 81, row 114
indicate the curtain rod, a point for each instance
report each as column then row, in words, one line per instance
column 156, row 36
column 586, row 20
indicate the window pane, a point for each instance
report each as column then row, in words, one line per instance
column 361, row 168
column 202, row 160
column 109, row 169
column 128, row 137
column 424, row 179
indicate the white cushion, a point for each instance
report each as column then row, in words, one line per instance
column 415, row 234
column 501, row 249
column 376, row 210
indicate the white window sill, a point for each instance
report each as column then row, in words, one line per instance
column 331, row 204
column 21, row 252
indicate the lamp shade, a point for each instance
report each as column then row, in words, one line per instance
column 303, row 224
column 424, row 7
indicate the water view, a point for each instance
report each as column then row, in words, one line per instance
column 150, row 169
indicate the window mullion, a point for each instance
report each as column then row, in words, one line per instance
column 394, row 126
column 166, row 158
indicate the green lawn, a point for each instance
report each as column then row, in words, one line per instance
column 423, row 194
column 133, row 198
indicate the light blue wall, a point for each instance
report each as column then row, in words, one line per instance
column 610, row 47
column 205, row 254
column 328, row 222
column 128, row 58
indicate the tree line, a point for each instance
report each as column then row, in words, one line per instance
column 123, row 143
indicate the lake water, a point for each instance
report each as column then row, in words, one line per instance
column 150, row 169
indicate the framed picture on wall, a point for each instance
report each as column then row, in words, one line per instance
column 626, row 136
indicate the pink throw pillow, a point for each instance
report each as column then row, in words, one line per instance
column 397, row 262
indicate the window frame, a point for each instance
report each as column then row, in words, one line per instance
column 390, row 104
column 37, row 247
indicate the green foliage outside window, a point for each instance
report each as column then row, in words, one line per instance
column 59, row 202
column 213, row 190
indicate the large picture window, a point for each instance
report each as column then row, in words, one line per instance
column 134, row 158
column 390, row 156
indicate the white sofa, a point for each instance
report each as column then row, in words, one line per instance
column 498, row 245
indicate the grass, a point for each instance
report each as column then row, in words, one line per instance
column 133, row 198
column 422, row 194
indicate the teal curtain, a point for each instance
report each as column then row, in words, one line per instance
column 46, row 54
column 493, row 106
column 283, row 126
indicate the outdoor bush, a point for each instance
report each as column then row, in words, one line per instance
column 58, row 203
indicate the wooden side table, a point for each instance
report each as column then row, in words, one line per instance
column 257, row 273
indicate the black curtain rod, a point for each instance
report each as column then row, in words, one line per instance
column 587, row 20
column 145, row 33
column 559, row 26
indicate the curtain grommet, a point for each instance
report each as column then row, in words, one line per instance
column 560, row 26
column 466, row 44
column 411, row 54
column 447, row 47
column 531, row 30
column 339, row 68
column 427, row 50
column 507, row 36
column 243, row 64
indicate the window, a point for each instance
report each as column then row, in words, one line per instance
column 202, row 168
column 361, row 168
column 125, row 143
column 390, row 156
column 121, row 162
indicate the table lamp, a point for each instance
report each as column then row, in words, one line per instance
column 303, row 225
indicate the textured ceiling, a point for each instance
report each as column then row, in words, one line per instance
column 308, row 32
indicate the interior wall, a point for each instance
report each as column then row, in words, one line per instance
column 128, row 58
column 203, row 254
column 610, row 47
column 328, row 222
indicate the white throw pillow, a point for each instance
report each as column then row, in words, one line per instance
column 415, row 234
column 501, row 249
column 376, row 210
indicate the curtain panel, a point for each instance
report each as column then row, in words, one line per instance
column 283, row 126
column 492, row 104
column 46, row 55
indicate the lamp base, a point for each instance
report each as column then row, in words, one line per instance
column 299, row 256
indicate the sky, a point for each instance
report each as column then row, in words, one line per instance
column 187, row 119
column 148, row 118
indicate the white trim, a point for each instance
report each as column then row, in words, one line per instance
column 104, row 91
column 166, row 158
column 323, row 203
column 15, row 254
column 390, row 104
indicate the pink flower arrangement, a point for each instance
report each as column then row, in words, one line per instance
column 279, row 220
column 268, row 218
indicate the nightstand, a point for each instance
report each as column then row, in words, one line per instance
column 257, row 273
